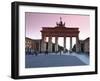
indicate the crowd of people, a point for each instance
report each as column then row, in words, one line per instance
column 33, row 52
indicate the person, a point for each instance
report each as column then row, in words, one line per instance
column 29, row 51
column 26, row 51
column 60, row 52
column 35, row 53
column 32, row 51
column 46, row 52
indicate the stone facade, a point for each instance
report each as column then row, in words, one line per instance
column 32, row 45
column 87, row 45
column 84, row 45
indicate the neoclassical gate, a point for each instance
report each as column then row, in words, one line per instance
column 58, row 31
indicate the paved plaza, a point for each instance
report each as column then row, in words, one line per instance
column 56, row 60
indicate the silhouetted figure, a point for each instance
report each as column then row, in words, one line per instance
column 35, row 53
column 46, row 52
column 60, row 52
column 29, row 51
column 32, row 51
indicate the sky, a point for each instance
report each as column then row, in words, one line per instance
column 35, row 21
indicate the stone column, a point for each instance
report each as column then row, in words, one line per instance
column 77, row 44
column 50, row 44
column 64, row 44
column 70, row 43
column 56, row 44
column 43, row 44
column 39, row 46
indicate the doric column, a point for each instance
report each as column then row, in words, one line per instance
column 64, row 44
column 50, row 44
column 77, row 44
column 56, row 44
column 70, row 43
column 43, row 44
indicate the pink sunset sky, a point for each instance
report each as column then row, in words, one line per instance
column 35, row 21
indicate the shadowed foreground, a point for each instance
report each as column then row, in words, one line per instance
column 53, row 60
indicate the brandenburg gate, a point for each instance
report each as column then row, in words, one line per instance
column 58, row 31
